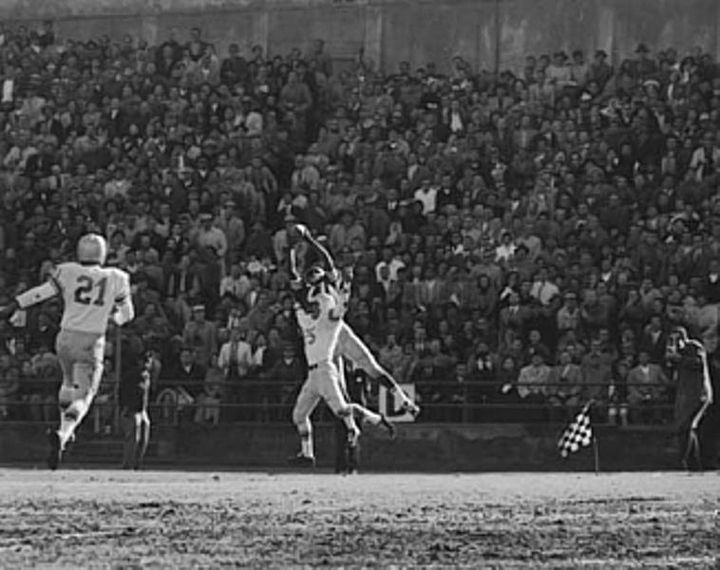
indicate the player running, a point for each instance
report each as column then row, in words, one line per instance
column 349, row 344
column 92, row 294
column 319, row 317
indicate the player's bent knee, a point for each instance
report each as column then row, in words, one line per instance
column 304, row 429
column 66, row 396
column 300, row 421
column 82, row 373
column 343, row 411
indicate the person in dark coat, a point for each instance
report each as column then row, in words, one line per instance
column 709, row 429
column 135, row 372
column 347, row 450
column 694, row 394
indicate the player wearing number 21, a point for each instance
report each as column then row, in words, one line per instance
column 92, row 294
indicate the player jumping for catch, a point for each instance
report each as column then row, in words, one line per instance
column 349, row 344
column 92, row 294
column 319, row 317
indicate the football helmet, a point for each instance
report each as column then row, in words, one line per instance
column 92, row 248
column 314, row 275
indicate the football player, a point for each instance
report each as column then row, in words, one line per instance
column 319, row 317
column 92, row 294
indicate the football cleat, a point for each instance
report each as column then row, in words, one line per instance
column 55, row 452
column 301, row 460
column 410, row 407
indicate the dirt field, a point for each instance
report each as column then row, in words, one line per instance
column 170, row 519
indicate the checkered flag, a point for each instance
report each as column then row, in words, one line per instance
column 578, row 434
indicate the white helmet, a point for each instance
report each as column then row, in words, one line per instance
column 92, row 248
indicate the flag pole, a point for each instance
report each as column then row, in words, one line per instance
column 596, row 452
column 597, row 455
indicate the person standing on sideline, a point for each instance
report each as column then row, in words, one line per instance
column 135, row 380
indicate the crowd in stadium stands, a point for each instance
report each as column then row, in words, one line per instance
column 527, row 237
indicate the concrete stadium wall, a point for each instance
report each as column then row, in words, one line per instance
column 423, row 448
column 395, row 30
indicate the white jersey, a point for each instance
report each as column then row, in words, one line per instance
column 90, row 293
column 341, row 290
column 320, row 334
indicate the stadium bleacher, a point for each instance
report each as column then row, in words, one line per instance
column 522, row 243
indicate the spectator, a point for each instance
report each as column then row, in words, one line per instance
column 597, row 374
column 566, row 381
column 532, row 384
column 647, row 386
column 208, row 401
column 181, row 386
column 282, row 382
column 201, row 335
column 188, row 164
column 235, row 360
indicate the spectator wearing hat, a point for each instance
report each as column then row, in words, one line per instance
column 644, row 67
column 600, row 71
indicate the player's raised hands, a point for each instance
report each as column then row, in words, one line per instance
column 303, row 231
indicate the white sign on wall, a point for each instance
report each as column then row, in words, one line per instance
column 390, row 404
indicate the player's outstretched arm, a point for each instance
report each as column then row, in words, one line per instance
column 124, row 312
column 31, row 297
column 293, row 270
column 297, row 285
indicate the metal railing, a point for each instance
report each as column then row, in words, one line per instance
column 269, row 401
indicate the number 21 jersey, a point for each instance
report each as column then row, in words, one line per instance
column 90, row 293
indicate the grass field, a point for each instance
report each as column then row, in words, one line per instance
column 173, row 519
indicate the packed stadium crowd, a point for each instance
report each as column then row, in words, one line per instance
column 521, row 237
